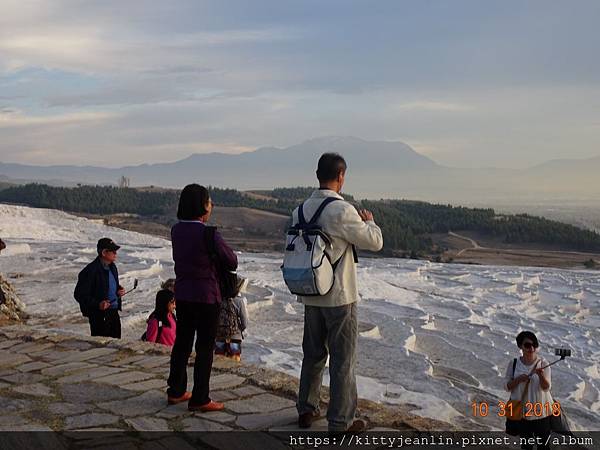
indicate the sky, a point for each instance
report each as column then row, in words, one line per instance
column 467, row 83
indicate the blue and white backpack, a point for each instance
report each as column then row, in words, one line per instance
column 307, row 268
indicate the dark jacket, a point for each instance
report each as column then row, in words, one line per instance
column 92, row 286
column 196, row 276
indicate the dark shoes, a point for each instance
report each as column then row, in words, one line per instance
column 306, row 420
column 358, row 426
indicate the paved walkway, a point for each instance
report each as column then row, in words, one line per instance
column 62, row 382
column 65, row 383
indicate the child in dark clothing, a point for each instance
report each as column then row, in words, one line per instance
column 233, row 320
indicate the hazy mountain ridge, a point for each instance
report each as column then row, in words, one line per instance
column 377, row 169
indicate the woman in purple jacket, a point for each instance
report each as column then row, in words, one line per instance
column 198, row 298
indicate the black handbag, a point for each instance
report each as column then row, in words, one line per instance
column 227, row 280
column 559, row 424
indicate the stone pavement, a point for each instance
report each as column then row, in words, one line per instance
column 61, row 382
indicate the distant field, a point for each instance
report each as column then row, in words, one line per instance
column 461, row 249
column 244, row 228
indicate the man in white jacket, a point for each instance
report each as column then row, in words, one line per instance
column 330, row 321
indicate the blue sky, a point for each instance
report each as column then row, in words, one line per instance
column 468, row 83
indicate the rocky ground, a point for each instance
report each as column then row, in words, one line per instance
column 62, row 382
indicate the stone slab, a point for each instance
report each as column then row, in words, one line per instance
column 248, row 391
column 73, row 344
column 63, row 369
column 23, row 344
column 86, row 355
column 153, row 361
column 92, row 392
column 148, row 403
column 37, row 348
column 125, row 378
column 222, row 396
column 8, row 405
column 33, row 347
column 69, row 409
column 148, row 424
column 108, row 359
column 52, row 355
column 9, row 359
column 93, row 374
column 198, row 424
column 31, row 426
column 89, row 420
column 147, row 385
column 24, row 378
column 8, row 420
column 36, row 390
column 33, row 366
column 268, row 420
column 264, row 403
column 218, row 416
column 173, row 411
column 9, row 343
column 129, row 360
column 225, row 381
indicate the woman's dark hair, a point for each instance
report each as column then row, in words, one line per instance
column 161, row 308
column 192, row 202
column 330, row 166
column 525, row 335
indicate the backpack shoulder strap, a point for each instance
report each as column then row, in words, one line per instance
column 320, row 209
column 301, row 219
column 514, row 366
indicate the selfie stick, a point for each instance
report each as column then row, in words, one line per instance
column 135, row 285
column 562, row 352
column 552, row 363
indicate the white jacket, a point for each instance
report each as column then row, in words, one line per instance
column 343, row 225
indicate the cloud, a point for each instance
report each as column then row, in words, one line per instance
column 472, row 83
column 433, row 106
column 15, row 119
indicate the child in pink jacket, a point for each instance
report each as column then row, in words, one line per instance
column 162, row 323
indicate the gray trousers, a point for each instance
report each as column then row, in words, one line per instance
column 333, row 332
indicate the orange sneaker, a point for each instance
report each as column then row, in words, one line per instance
column 208, row 407
column 174, row 400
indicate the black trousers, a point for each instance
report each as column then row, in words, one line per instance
column 539, row 429
column 105, row 323
column 199, row 320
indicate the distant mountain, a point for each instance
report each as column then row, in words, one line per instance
column 377, row 169
column 260, row 169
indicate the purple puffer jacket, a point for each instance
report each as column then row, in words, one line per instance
column 196, row 278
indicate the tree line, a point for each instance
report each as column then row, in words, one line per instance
column 406, row 225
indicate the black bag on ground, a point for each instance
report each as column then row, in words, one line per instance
column 227, row 280
column 559, row 424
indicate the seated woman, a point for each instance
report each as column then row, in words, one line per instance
column 529, row 381
column 162, row 323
